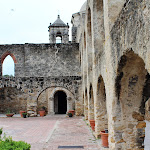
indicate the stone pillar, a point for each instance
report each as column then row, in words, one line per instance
column 69, row 103
column 86, row 107
column 51, row 106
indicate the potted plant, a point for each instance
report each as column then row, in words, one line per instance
column 104, row 138
column 42, row 112
column 22, row 111
column 71, row 111
column 92, row 123
column 9, row 114
column 24, row 115
column 70, row 114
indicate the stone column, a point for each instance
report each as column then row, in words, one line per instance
column 51, row 105
column 69, row 103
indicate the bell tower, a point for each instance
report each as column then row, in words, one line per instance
column 58, row 32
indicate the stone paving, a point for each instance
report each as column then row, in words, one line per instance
column 47, row 133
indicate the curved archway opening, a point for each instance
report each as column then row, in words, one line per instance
column 58, row 37
column 60, row 102
column 58, row 40
column 101, row 121
column 8, row 66
column 132, row 91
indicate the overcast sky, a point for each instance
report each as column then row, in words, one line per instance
column 27, row 21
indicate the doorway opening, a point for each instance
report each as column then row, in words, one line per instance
column 60, row 102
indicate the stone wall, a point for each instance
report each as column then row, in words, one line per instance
column 115, row 48
column 43, row 60
column 30, row 92
column 12, row 100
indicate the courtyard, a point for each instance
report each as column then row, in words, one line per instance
column 54, row 132
column 50, row 132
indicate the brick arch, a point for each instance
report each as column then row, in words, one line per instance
column 6, row 54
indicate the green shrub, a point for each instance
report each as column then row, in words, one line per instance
column 6, row 143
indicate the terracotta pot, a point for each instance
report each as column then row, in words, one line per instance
column 104, row 138
column 71, row 111
column 9, row 115
column 21, row 111
column 92, row 123
column 42, row 113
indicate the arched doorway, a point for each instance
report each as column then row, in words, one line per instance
column 132, row 91
column 60, row 102
column 101, row 119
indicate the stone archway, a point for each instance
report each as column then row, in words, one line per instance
column 132, row 92
column 47, row 99
column 60, row 102
column 70, row 99
column 101, row 119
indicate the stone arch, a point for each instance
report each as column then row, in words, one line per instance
column 49, row 94
column 6, row 54
column 60, row 102
column 101, row 119
column 132, row 83
column 58, row 37
column 3, row 58
column 98, row 27
column 91, row 104
column 86, row 105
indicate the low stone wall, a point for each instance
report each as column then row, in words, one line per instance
column 19, row 93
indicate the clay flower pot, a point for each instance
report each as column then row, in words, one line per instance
column 21, row 111
column 71, row 111
column 9, row 115
column 42, row 113
column 92, row 123
column 104, row 138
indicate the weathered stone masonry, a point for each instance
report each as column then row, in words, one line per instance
column 115, row 66
column 28, row 90
column 39, row 67
column 105, row 76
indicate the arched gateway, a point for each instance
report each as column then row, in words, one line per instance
column 57, row 100
column 60, row 102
